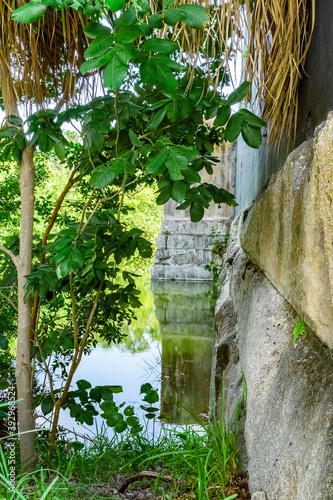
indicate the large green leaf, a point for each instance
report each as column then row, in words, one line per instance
column 115, row 73
column 127, row 18
column 120, row 427
column 128, row 34
column 142, row 6
column 148, row 72
column 8, row 132
column 47, row 405
column 15, row 120
column 29, row 13
column 99, row 46
column 20, row 140
column 76, row 258
column 220, row 195
column 156, row 165
column 156, row 119
column 191, row 175
column 173, row 110
column 238, row 94
column 134, row 138
column 251, row 135
column 156, row 21
column 233, row 128
column 222, row 115
column 189, row 152
column 83, row 384
column 3, row 342
column 90, row 10
column 93, row 29
column 164, row 196
column 116, row 389
column 124, row 52
column 144, row 247
column 174, row 164
column 115, row 5
column 195, row 15
column 179, row 191
column 55, row 4
column 158, row 104
column 174, row 16
column 96, row 62
column 196, row 212
column 160, row 45
column 60, row 151
column 43, row 141
column 102, row 176
column 170, row 63
column 165, row 77
column 251, row 118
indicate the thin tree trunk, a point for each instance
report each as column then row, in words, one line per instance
column 23, row 366
column 78, row 352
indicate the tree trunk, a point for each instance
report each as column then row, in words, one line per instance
column 23, row 366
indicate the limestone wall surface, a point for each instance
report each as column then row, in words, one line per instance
column 288, row 231
column 278, row 267
column 288, row 446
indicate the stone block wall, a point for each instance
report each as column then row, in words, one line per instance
column 184, row 248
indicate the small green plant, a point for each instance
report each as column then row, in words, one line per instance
column 299, row 329
column 219, row 243
column 218, row 249
column 200, row 460
column 214, row 268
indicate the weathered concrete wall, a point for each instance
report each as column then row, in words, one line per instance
column 288, row 231
column 253, row 170
column 315, row 95
column 254, row 167
column 184, row 248
column 289, row 419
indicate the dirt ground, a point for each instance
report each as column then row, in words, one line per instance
column 143, row 491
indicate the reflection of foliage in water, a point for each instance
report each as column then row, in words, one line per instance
column 145, row 328
column 140, row 210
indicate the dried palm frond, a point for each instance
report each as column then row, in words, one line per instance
column 40, row 62
column 278, row 42
column 275, row 36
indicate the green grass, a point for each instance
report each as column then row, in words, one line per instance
column 194, row 459
column 200, row 459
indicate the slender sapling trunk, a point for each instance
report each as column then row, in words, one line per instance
column 23, row 365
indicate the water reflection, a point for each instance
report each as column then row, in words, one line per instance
column 170, row 345
column 144, row 329
column 185, row 314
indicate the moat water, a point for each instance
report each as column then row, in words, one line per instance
column 169, row 345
